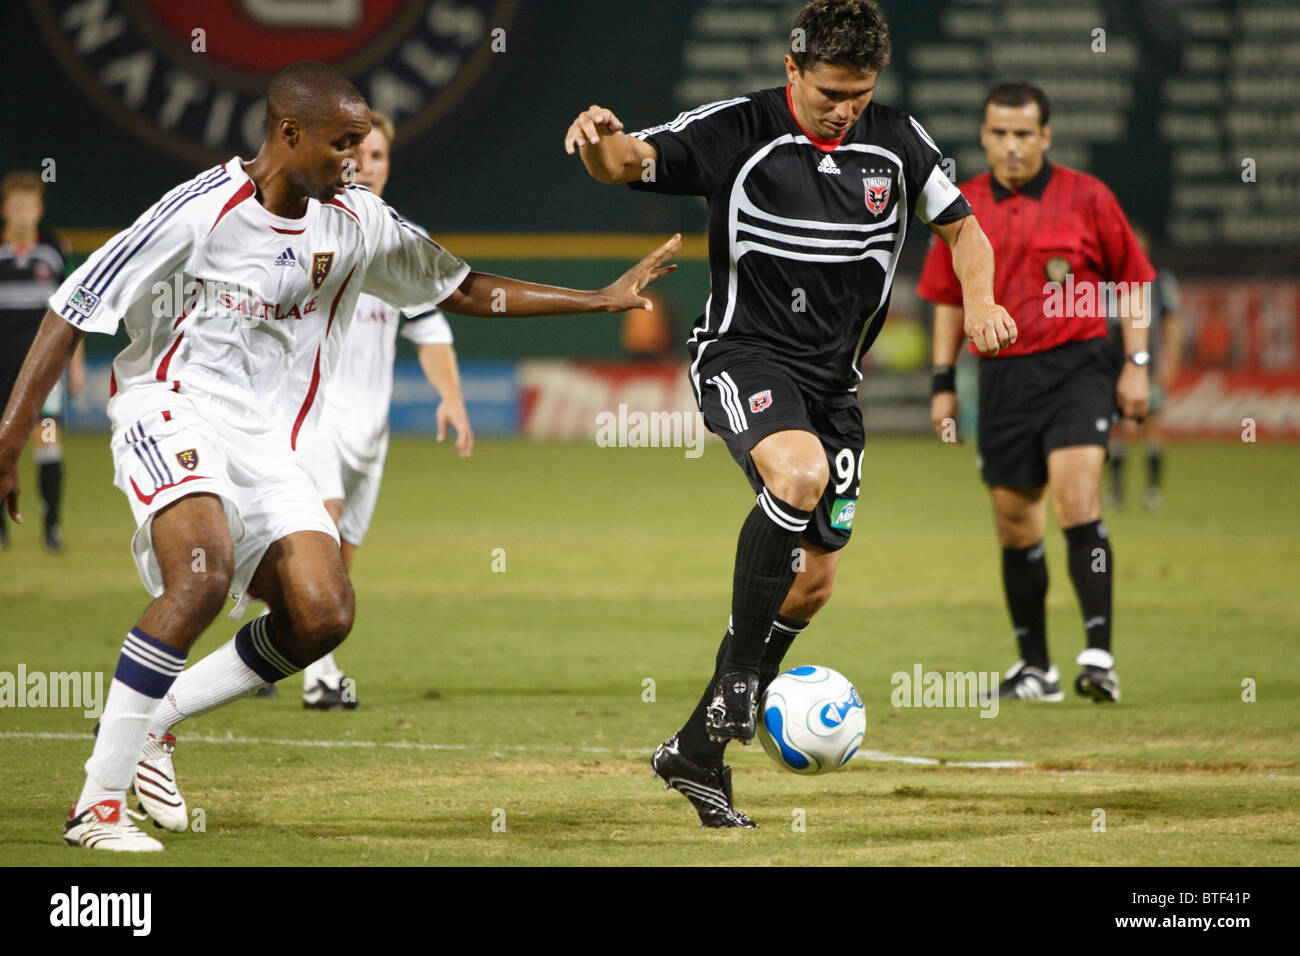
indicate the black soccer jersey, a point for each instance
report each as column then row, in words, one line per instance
column 29, row 275
column 804, row 233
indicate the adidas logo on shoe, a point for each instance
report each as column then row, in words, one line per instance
column 827, row 165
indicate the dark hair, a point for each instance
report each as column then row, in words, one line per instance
column 841, row 33
column 308, row 91
column 1017, row 93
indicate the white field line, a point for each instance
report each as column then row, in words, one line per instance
column 875, row 756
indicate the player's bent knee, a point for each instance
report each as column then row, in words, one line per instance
column 326, row 625
column 801, row 485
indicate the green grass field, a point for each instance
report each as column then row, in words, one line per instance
column 518, row 696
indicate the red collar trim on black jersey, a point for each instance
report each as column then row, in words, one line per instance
column 821, row 142
column 1034, row 189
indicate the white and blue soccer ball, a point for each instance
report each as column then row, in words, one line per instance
column 811, row 720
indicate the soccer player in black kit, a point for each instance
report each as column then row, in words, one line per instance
column 811, row 188
column 32, row 265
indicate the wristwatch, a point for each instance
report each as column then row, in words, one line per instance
column 1141, row 358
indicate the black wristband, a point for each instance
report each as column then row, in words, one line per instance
column 945, row 379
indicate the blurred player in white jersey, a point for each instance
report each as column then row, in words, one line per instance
column 236, row 289
column 346, row 453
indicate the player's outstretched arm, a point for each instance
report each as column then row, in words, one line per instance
column 44, row 365
column 987, row 324
column 610, row 155
column 485, row 294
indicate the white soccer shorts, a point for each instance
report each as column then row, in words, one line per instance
column 166, row 447
column 339, row 477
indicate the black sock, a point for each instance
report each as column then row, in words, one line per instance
column 1091, row 569
column 1024, row 579
column 784, row 631
column 51, row 481
column 1117, row 472
column 766, row 558
column 693, row 740
column 1155, row 465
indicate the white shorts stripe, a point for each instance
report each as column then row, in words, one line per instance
column 735, row 397
column 730, row 402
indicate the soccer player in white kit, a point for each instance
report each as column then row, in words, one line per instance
column 228, row 347
column 345, row 454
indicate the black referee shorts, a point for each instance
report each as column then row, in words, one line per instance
column 1030, row 405
column 16, row 338
column 747, row 398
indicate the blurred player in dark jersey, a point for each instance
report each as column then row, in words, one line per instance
column 1165, row 340
column 811, row 189
column 1064, row 249
column 32, row 265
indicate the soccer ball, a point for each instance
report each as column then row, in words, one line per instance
column 811, row 720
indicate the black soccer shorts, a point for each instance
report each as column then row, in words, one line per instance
column 747, row 399
column 1030, row 405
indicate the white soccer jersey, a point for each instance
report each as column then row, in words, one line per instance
column 360, row 387
column 240, row 309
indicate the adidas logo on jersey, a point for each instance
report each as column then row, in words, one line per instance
column 827, row 165
column 286, row 258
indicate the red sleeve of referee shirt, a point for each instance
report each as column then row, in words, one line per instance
column 938, row 281
column 1122, row 258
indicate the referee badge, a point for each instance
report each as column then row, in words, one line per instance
column 1057, row 268
column 321, row 263
column 188, row 459
column 877, row 188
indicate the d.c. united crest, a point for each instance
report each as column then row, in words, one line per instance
column 760, row 400
column 321, row 263
column 877, row 188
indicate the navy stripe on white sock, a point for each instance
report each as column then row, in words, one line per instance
column 147, row 665
column 256, row 645
column 782, row 514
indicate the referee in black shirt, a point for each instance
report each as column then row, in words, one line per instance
column 32, row 265
column 811, row 188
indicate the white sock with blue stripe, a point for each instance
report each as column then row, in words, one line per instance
column 251, row 658
column 146, row 669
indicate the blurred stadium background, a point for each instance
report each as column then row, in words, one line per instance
column 1164, row 100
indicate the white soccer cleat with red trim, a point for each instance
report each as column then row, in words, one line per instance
column 107, row 825
column 155, row 784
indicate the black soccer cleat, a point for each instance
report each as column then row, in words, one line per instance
column 1098, row 679
column 731, row 714
column 709, row 791
column 1031, row 683
column 337, row 693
